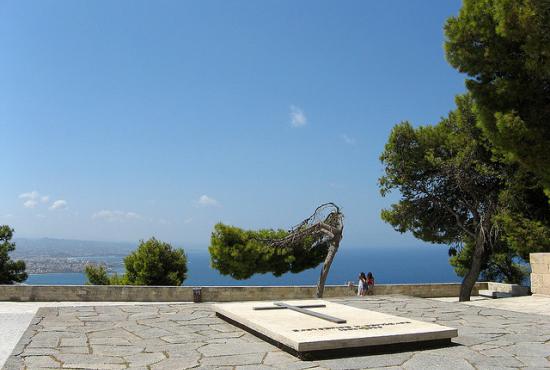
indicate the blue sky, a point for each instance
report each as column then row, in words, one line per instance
column 127, row 119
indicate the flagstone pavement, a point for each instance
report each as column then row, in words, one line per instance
column 184, row 336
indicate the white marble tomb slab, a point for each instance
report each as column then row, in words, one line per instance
column 304, row 333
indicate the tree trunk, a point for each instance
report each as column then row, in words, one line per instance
column 326, row 267
column 473, row 273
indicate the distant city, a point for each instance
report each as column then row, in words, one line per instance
column 47, row 255
column 47, row 264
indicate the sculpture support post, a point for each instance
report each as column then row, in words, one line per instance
column 326, row 267
column 333, row 248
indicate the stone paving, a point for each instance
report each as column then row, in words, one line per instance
column 536, row 304
column 16, row 316
column 532, row 304
column 183, row 336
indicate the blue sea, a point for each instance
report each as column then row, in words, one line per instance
column 423, row 264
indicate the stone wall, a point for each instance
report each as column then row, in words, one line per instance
column 26, row 293
column 514, row 290
column 540, row 273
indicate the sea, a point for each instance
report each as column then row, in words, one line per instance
column 403, row 265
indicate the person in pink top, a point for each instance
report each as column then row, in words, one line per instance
column 370, row 284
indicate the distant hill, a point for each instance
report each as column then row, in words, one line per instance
column 67, row 248
column 82, row 248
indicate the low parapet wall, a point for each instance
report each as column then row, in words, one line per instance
column 514, row 290
column 98, row 293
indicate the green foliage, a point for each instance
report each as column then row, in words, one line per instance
column 156, row 263
column 243, row 253
column 525, row 236
column 10, row 271
column 445, row 173
column 486, row 167
column 116, row 279
column 526, row 221
column 451, row 181
column 152, row 263
column 96, row 274
column 503, row 265
column 504, row 46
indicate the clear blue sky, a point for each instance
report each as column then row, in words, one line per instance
column 125, row 119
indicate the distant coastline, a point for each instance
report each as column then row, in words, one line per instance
column 390, row 266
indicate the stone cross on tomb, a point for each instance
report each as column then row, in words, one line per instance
column 294, row 326
column 303, row 309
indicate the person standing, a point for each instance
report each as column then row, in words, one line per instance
column 370, row 283
column 362, row 285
